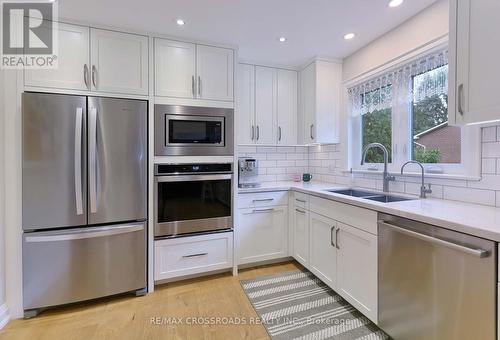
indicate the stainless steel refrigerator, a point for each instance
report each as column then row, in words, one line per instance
column 84, row 198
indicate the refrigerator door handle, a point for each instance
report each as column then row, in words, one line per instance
column 88, row 233
column 93, row 160
column 78, row 161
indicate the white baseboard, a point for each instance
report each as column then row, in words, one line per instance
column 4, row 315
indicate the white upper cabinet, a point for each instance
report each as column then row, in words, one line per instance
column 320, row 103
column 265, row 105
column 473, row 57
column 72, row 72
column 96, row 60
column 287, row 107
column 190, row 71
column 119, row 62
column 175, row 68
column 245, row 104
column 214, row 67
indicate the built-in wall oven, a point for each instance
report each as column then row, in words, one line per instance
column 193, row 131
column 193, row 198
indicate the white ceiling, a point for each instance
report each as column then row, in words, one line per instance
column 312, row 27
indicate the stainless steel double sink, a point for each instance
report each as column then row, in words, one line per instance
column 372, row 196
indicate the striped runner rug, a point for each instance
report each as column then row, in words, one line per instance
column 297, row 305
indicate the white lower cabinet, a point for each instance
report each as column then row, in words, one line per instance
column 192, row 255
column 262, row 234
column 357, row 269
column 301, row 235
column 323, row 251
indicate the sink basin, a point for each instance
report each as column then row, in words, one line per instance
column 388, row 198
column 372, row 196
column 353, row 193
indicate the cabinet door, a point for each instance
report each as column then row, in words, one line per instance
column 214, row 67
column 265, row 105
column 262, row 234
column 119, row 62
column 245, row 104
column 301, row 236
column 475, row 42
column 287, row 107
column 357, row 269
column 308, row 104
column 73, row 61
column 175, row 69
column 323, row 252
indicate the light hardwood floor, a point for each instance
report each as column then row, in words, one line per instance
column 131, row 317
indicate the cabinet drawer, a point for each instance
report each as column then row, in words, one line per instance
column 360, row 218
column 301, row 200
column 262, row 199
column 192, row 255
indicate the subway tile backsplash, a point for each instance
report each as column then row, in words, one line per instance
column 324, row 162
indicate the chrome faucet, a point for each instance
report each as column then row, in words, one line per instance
column 387, row 177
column 423, row 189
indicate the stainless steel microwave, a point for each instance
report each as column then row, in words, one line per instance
column 193, row 131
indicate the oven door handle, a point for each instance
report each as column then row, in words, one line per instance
column 192, row 178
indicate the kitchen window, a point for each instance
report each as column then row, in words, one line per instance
column 406, row 110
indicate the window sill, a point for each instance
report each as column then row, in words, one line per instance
column 416, row 174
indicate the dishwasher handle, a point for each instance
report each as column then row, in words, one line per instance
column 481, row 253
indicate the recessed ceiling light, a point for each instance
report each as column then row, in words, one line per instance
column 349, row 36
column 395, row 3
column 180, row 22
column 282, row 39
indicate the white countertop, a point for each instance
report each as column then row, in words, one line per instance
column 473, row 219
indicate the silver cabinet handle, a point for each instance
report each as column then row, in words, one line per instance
column 93, row 159
column 78, row 161
column 86, row 75
column 193, row 87
column 263, row 200
column 253, row 132
column 258, row 133
column 300, row 211
column 94, row 76
column 262, row 210
column 460, row 99
column 337, row 238
column 199, row 86
column 311, row 130
column 331, row 236
column 83, row 234
column 194, row 255
column 279, row 133
column 299, row 200
column 481, row 253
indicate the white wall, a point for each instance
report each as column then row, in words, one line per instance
column 425, row 27
column 2, row 195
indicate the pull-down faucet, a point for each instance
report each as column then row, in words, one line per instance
column 423, row 189
column 387, row 177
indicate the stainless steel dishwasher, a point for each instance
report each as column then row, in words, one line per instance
column 435, row 283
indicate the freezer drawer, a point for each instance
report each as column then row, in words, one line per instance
column 66, row 266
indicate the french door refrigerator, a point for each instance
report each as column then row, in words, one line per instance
column 84, row 198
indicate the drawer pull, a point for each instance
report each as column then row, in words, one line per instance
column 301, row 201
column 300, row 211
column 262, row 210
column 264, row 200
column 195, row 255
